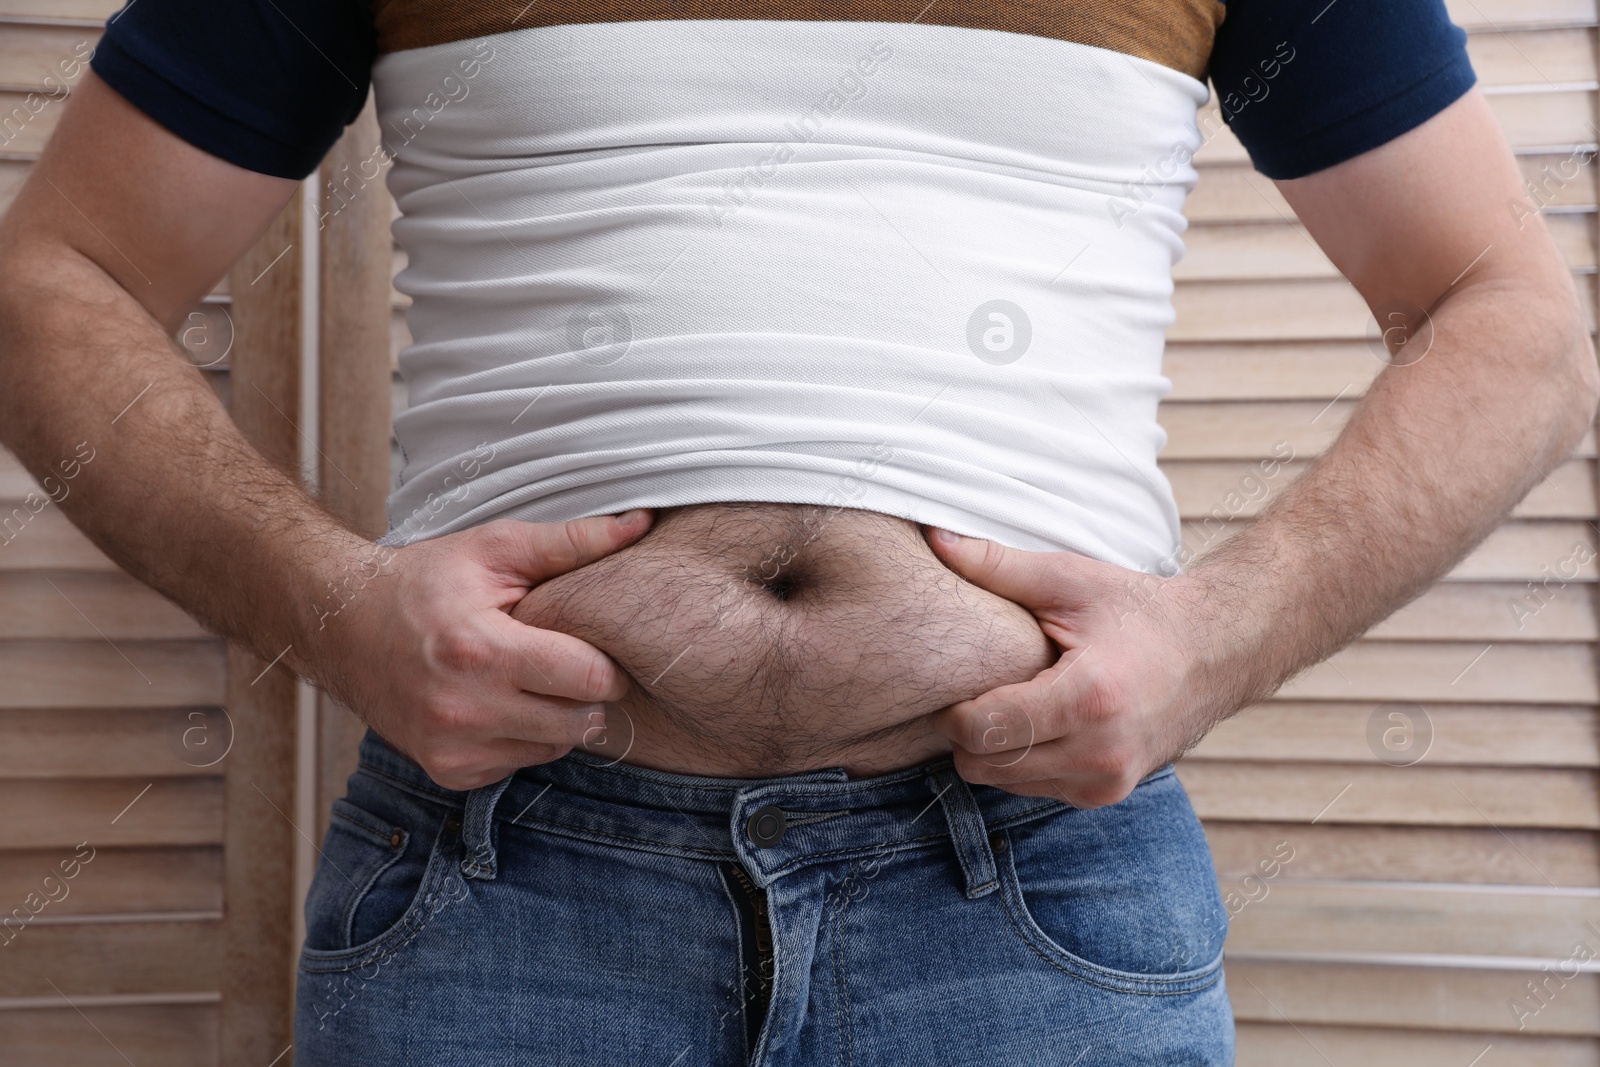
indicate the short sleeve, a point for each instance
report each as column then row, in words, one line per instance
column 268, row 85
column 1306, row 85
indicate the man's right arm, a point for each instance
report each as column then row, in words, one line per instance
column 119, row 231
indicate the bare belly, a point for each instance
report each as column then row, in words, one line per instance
column 768, row 639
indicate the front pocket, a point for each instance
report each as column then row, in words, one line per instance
column 1123, row 897
column 363, row 921
column 358, row 849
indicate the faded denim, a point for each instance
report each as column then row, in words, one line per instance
column 588, row 913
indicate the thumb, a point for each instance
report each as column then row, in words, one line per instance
column 1017, row 575
column 537, row 551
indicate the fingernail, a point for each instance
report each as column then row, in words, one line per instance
column 945, row 537
column 631, row 518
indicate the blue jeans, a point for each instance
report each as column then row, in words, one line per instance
column 588, row 913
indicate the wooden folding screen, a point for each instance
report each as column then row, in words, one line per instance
column 127, row 734
column 1420, row 899
column 1417, row 901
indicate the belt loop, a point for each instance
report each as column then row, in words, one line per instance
column 967, row 832
column 477, row 831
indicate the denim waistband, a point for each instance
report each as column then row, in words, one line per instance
column 772, row 826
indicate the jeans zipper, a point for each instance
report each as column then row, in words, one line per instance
column 759, row 992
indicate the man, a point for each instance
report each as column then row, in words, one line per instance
column 695, row 736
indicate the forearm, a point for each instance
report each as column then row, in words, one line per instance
column 1436, row 455
column 173, row 493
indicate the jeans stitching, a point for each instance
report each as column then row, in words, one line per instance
column 1084, row 970
column 841, row 983
column 317, row 961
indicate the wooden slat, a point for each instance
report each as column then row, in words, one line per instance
column 112, row 958
column 1473, row 855
column 1267, row 251
column 1546, row 118
column 12, row 174
column 117, row 881
column 1308, row 732
column 1485, row 16
column 1236, row 192
column 64, row 812
column 172, row 1035
column 1240, row 371
column 68, row 605
column 1411, row 997
column 1240, row 488
column 1277, row 1044
column 98, row 673
column 1533, row 57
column 1253, row 429
column 1250, row 431
column 1375, row 919
column 49, row 542
column 1280, row 311
column 1376, row 793
column 1522, row 551
column 1543, row 119
column 1267, row 311
column 85, row 10
column 113, row 742
column 30, row 121
column 31, row 54
column 1516, row 552
column 1542, row 673
column 1496, row 611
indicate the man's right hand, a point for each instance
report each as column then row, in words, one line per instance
column 119, row 230
column 427, row 654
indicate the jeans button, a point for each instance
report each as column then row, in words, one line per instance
column 766, row 826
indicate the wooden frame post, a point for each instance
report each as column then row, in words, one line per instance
column 259, row 892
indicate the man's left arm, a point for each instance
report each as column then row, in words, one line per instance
column 1487, row 390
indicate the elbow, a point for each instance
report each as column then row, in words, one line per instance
column 1576, row 381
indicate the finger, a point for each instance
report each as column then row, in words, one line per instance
column 1026, row 578
column 1001, row 720
column 559, row 665
column 532, row 721
column 1044, row 787
column 1011, row 717
column 1077, row 791
column 1042, row 762
column 537, row 551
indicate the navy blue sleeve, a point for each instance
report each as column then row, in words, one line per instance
column 1305, row 85
column 268, row 85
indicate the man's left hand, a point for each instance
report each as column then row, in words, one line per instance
column 1121, row 701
